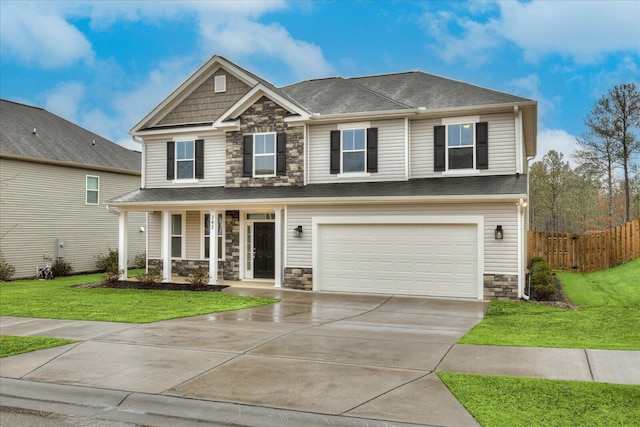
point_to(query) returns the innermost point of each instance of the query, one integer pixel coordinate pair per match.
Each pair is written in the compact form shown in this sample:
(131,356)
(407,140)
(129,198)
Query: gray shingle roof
(58,139)
(500,185)
(399,91)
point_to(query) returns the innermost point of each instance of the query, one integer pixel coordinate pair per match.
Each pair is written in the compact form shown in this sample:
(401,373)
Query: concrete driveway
(365,357)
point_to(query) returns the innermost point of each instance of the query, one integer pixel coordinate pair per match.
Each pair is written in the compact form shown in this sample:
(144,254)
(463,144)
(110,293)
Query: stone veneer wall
(265,116)
(232,245)
(502,287)
(298,278)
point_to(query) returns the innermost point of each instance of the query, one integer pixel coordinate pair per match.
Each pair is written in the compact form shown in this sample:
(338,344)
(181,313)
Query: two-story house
(403,183)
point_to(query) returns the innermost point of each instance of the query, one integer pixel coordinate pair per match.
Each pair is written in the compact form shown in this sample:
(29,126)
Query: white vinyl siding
(391,153)
(500,256)
(30,223)
(214,163)
(502,148)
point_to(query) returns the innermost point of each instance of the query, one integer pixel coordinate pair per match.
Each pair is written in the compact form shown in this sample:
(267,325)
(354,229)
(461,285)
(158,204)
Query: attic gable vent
(220,84)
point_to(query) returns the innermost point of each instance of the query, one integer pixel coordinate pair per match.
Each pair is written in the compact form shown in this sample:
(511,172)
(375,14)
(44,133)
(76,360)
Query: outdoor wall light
(499,232)
(298,231)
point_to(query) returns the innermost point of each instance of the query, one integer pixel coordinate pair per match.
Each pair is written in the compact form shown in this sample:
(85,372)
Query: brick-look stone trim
(502,287)
(265,116)
(298,278)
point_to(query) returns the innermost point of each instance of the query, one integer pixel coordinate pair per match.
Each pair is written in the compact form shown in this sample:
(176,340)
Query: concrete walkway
(312,359)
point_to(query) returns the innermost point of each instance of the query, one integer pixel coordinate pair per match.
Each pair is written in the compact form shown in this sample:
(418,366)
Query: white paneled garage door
(413,259)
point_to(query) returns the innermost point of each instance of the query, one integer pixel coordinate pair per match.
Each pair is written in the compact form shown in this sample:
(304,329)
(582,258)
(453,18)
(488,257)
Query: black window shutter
(439,149)
(171,156)
(199,158)
(247,165)
(372,150)
(335,151)
(281,154)
(482,145)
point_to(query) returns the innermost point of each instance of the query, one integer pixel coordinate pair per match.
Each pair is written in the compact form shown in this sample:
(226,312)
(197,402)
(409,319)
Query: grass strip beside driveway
(11,345)
(57,299)
(608,317)
(528,402)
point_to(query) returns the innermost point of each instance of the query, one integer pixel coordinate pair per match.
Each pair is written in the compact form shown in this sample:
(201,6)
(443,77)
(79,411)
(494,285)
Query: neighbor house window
(460,145)
(176,235)
(219,239)
(185,159)
(264,154)
(93,190)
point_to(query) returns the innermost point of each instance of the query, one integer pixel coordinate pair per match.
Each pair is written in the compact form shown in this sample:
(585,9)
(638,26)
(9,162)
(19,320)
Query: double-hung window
(354,149)
(176,236)
(264,154)
(219,237)
(92,190)
(461,144)
(185,159)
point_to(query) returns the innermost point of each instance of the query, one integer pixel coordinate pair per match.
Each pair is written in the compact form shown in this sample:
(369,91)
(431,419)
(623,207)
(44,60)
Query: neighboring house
(54,179)
(403,183)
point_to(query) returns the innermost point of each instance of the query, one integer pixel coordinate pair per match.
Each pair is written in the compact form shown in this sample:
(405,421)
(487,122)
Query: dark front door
(264,250)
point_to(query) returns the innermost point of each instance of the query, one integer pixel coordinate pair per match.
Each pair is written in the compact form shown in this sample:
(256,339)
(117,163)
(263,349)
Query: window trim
(274,155)
(183,220)
(221,245)
(362,172)
(87,190)
(449,121)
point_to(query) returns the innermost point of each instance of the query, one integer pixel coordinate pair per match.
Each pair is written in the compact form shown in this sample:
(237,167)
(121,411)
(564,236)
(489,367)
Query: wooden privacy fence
(586,252)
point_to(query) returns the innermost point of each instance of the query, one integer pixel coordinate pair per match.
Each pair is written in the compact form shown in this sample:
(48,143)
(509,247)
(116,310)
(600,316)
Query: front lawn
(58,299)
(528,402)
(10,345)
(608,317)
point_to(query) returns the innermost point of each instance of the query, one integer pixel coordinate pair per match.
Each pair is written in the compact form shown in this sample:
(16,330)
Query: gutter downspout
(143,160)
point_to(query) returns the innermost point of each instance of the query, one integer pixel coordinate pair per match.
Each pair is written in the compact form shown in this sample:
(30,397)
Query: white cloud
(582,30)
(558,140)
(35,33)
(65,99)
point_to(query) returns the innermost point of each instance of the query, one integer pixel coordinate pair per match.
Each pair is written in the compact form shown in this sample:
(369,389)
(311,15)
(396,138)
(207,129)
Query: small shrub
(542,280)
(61,268)
(6,269)
(152,277)
(140,260)
(107,262)
(199,278)
(113,274)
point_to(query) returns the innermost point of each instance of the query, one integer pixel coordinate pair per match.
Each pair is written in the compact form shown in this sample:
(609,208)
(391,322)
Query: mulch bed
(559,299)
(131,284)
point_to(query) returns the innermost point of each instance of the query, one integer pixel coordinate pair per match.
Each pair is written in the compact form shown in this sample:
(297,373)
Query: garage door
(412,259)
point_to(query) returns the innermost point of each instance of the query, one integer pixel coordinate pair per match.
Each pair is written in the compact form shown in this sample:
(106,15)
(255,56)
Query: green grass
(511,401)
(57,299)
(608,317)
(11,345)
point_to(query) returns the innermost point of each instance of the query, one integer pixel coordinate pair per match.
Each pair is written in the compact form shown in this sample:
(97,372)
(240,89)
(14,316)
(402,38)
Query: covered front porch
(234,245)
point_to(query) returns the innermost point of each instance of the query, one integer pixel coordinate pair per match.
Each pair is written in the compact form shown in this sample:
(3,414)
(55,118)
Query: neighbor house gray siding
(501,256)
(40,203)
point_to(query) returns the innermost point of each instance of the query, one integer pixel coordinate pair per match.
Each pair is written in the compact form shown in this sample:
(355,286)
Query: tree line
(603,190)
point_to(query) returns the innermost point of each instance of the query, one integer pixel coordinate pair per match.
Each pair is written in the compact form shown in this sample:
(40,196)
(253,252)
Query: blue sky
(106,64)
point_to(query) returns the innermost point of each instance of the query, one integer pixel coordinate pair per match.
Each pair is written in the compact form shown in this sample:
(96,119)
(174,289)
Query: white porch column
(166,246)
(123,222)
(213,247)
(278,248)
